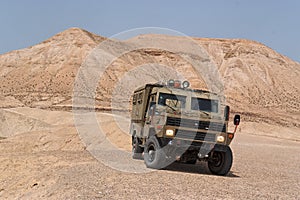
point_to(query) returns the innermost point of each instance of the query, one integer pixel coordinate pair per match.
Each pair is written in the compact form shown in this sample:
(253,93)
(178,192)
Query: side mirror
(236,120)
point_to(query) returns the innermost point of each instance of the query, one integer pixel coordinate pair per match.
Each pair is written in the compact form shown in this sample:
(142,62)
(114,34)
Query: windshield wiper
(207,113)
(171,107)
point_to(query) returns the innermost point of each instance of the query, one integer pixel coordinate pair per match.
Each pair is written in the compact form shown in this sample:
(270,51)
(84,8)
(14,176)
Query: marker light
(185,84)
(171,83)
(177,84)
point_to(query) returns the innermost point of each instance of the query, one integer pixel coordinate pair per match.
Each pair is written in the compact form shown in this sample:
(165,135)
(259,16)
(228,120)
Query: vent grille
(190,123)
(192,135)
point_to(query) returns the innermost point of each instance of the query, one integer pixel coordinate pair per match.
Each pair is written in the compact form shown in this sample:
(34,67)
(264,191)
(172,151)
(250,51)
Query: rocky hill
(259,83)
(43,75)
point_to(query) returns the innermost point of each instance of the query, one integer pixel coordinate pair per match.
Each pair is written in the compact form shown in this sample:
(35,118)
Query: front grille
(192,135)
(190,123)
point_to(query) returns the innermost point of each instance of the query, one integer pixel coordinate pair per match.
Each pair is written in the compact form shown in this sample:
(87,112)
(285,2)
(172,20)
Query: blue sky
(274,23)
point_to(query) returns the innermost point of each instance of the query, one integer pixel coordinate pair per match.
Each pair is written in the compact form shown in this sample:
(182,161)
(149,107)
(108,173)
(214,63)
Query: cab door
(149,116)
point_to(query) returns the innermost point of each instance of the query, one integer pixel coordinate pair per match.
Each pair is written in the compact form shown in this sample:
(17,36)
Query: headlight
(220,138)
(170,132)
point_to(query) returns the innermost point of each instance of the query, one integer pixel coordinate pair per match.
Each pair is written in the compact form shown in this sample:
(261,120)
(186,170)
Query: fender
(222,148)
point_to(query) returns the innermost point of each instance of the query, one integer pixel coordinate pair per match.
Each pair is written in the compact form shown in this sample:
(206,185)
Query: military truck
(172,123)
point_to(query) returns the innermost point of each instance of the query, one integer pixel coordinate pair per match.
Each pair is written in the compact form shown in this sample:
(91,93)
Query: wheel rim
(151,152)
(217,159)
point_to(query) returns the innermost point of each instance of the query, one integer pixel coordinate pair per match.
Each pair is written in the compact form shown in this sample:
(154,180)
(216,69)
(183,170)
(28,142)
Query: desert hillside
(45,154)
(259,83)
(43,75)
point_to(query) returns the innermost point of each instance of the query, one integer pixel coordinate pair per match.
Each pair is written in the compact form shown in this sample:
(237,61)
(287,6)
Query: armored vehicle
(173,123)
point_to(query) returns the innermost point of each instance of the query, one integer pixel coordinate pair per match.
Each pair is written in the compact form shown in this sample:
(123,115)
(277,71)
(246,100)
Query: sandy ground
(45,158)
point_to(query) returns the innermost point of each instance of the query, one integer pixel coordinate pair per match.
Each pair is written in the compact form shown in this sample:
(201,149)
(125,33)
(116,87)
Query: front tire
(137,150)
(154,155)
(220,162)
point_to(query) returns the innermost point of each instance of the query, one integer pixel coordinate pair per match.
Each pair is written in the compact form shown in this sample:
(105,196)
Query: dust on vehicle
(171,122)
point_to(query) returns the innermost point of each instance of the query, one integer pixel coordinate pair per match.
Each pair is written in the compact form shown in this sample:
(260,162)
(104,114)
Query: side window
(134,99)
(140,98)
(153,98)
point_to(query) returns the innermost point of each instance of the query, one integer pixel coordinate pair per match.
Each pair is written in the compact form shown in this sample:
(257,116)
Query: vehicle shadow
(198,168)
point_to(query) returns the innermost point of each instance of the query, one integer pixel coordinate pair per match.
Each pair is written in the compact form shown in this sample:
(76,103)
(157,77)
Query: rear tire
(137,150)
(220,162)
(154,155)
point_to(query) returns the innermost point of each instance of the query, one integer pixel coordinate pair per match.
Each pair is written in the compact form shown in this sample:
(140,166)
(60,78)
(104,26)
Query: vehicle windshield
(171,100)
(207,105)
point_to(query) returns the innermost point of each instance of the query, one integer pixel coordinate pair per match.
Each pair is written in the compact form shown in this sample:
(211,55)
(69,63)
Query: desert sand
(43,156)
